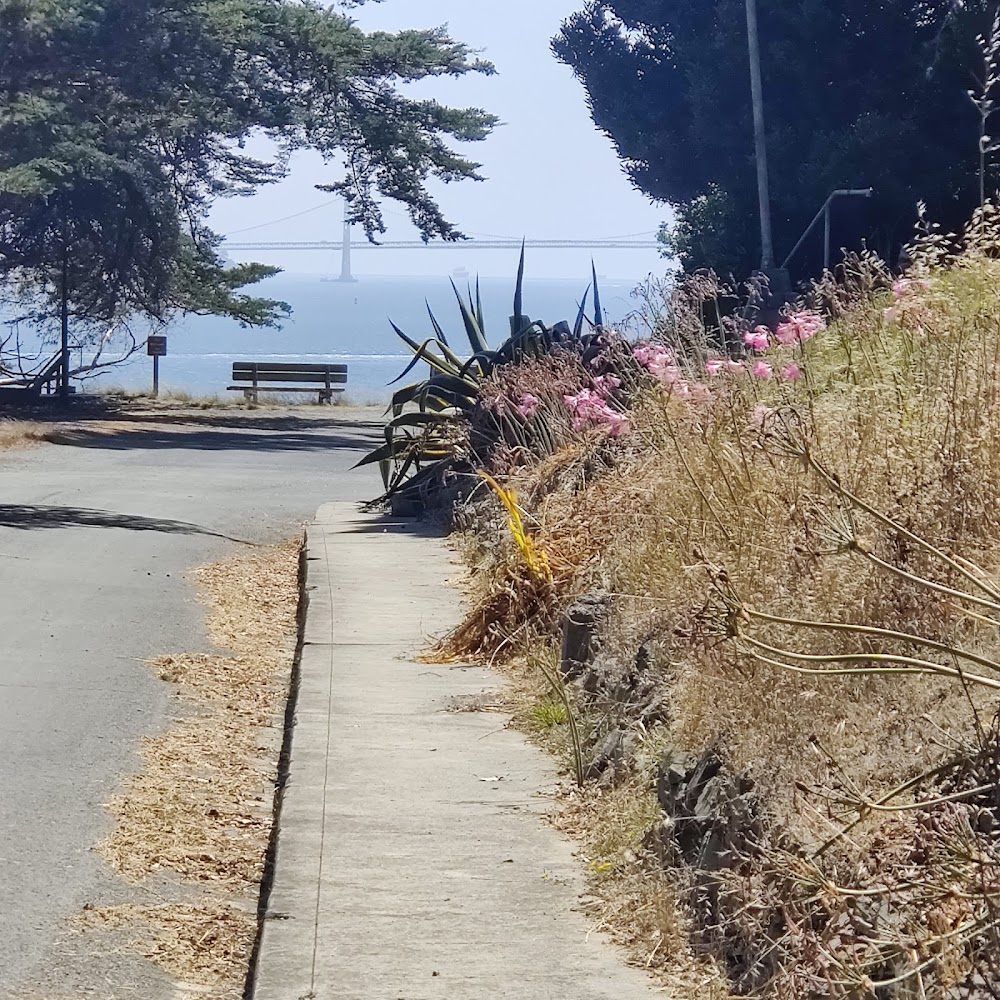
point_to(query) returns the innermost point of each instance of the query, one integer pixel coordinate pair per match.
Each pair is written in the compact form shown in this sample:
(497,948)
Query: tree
(858,94)
(121,121)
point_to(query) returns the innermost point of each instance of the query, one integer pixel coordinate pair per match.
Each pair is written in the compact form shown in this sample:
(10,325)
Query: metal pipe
(825,210)
(826,235)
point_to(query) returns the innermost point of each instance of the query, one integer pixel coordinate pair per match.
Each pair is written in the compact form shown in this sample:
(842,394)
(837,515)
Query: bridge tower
(345,253)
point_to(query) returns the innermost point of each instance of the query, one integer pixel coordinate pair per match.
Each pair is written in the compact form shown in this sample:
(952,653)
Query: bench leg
(248,394)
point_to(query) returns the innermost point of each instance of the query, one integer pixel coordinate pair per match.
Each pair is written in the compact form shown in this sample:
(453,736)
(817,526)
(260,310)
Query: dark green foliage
(451,431)
(858,94)
(121,121)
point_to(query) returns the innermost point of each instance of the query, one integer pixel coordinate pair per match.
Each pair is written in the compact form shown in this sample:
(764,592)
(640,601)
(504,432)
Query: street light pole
(760,140)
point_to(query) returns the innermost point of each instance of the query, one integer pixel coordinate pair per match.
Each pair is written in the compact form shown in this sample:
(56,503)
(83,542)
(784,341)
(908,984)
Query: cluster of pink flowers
(794,331)
(799,327)
(659,362)
(590,409)
(760,369)
(908,306)
(662,365)
(528,405)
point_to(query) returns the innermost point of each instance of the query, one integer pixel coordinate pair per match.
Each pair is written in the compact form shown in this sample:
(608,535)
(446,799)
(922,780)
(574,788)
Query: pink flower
(760,415)
(791,373)
(762,370)
(588,409)
(669,375)
(658,361)
(735,367)
(617,424)
(604,385)
(758,339)
(652,356)
(714,366)
(799,327)
(909,309)
(528,405)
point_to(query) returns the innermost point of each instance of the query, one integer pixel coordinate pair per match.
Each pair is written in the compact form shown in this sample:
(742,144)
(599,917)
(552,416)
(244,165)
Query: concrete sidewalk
(413,862)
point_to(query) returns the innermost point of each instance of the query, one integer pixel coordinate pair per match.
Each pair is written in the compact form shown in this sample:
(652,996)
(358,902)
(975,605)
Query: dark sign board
(156,347)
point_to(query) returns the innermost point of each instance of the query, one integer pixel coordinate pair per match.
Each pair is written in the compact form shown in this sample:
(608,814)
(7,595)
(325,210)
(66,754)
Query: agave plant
(436,435)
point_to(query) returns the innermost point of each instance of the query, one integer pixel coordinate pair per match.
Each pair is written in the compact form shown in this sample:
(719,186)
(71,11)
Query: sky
(550,173)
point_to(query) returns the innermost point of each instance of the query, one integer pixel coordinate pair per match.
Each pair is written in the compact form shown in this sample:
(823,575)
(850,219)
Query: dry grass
(629,899)
(852,497)
(696,493)
(201,805)
(200,808)
(204,946)
(21,434)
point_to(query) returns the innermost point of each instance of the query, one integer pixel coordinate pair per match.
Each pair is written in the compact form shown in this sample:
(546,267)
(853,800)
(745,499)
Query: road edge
(270,882)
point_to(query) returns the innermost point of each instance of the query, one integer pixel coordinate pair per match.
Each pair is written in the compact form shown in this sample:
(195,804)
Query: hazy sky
(550,172)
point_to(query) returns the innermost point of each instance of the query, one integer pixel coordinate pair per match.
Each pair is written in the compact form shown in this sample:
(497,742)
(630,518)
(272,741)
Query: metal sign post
(156,348)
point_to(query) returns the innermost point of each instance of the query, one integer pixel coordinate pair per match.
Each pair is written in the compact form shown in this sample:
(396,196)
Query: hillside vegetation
(787,727)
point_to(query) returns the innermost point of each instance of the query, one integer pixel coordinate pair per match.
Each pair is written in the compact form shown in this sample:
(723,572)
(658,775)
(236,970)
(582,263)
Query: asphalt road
(96,541)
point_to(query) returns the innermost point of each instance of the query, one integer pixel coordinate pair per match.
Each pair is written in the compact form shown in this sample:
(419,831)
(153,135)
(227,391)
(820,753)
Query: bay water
(333,322)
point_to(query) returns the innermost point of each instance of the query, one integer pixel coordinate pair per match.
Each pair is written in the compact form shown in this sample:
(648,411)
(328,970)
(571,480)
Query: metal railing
(825,213)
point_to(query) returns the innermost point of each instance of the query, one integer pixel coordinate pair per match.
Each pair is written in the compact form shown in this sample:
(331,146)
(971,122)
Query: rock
(579,634)
(608,754)
(712,826)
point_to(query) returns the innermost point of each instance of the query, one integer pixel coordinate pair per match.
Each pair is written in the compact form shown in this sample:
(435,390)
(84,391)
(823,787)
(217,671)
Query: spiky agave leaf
(581,316)
(479,308)
(438,331)
(423,353)
(598,313)
(516,320)
(463,393)
(447,362)
(477,339)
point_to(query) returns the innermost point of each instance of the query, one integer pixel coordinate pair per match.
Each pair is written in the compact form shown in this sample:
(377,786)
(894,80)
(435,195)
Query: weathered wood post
(579,631)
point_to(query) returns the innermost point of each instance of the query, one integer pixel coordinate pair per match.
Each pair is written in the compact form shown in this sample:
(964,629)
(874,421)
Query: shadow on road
(249,421)
(352,438)
(29,517)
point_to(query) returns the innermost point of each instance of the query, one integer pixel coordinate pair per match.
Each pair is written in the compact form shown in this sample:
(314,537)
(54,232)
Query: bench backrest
(274,371)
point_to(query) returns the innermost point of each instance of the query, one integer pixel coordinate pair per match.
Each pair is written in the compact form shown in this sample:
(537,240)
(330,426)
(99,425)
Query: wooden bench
(324,380)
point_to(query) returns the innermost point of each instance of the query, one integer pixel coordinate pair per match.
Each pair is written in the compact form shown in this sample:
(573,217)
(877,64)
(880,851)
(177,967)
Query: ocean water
(348,324)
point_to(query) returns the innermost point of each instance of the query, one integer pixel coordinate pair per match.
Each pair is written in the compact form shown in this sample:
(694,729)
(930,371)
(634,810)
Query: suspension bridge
(348,245)
(459,245)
